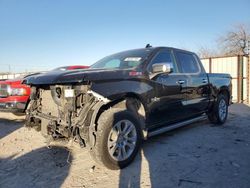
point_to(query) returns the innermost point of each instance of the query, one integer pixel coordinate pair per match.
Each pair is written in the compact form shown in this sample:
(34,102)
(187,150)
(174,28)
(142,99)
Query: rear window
(187,63)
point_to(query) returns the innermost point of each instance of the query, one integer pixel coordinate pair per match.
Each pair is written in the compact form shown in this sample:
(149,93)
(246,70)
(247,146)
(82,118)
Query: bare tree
(235,42)
(205,52)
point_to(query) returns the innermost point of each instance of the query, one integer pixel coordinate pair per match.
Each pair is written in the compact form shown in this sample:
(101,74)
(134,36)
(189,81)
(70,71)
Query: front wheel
(219,113)
(118,138)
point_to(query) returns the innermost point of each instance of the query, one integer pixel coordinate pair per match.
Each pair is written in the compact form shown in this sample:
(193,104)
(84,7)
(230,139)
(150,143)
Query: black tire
(214,115)
(106,121)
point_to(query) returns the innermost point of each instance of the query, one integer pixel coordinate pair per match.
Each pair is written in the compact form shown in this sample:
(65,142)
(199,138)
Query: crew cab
(14,95)
(125,98)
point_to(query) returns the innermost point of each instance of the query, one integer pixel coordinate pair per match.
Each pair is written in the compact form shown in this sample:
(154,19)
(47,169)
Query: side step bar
(176,125)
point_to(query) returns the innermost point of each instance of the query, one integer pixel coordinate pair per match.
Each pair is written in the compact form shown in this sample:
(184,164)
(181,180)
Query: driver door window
(163,56)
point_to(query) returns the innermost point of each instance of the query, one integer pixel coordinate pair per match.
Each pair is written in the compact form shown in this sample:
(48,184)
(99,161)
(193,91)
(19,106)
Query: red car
(14,95)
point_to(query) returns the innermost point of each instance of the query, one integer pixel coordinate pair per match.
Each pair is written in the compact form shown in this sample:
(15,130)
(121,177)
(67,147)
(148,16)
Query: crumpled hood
(77,76)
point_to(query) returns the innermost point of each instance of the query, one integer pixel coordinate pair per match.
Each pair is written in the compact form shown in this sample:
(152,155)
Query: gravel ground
(200,155)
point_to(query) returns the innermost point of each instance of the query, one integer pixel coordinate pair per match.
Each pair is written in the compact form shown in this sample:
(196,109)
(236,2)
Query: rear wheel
(118,138)
(219,113)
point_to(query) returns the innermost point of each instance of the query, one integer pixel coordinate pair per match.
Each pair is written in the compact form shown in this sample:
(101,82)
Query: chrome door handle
(181,81)
(204,80)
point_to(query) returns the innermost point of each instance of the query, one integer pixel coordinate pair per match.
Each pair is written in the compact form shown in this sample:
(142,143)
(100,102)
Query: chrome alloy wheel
(222,109)
(122,140)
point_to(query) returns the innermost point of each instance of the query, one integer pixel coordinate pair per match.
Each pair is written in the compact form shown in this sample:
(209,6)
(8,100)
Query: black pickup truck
(125,98)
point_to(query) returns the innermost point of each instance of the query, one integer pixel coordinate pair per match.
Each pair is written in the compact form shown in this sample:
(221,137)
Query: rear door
(197,87)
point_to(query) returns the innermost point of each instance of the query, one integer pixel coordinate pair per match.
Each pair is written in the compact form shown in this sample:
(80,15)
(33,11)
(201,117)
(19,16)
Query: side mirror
(161,68)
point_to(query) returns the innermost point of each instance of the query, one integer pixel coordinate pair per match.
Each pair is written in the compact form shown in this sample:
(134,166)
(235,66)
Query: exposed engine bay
(65,111)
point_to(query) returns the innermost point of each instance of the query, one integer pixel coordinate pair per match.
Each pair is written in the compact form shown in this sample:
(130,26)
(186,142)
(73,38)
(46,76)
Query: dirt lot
(199,155)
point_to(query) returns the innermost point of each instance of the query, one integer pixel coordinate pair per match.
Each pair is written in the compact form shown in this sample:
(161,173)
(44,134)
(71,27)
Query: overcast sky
(51,33)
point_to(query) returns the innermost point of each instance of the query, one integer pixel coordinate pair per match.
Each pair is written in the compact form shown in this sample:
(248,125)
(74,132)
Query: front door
(166,107)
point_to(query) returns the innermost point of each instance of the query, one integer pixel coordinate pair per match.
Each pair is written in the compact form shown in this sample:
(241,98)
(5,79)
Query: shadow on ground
(42,167)
(8,126)
(199,155)
(159,163)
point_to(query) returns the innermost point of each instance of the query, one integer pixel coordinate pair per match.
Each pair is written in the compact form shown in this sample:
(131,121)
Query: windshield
(123,60)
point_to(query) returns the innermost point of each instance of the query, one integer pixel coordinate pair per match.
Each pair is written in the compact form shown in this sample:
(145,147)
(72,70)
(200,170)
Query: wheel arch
(127,101)
(130,101)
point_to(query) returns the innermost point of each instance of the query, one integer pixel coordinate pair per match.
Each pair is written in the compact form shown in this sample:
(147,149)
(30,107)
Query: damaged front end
(65,111)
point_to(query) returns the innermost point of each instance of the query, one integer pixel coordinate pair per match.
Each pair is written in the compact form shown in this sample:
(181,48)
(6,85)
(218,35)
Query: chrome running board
(176,125)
